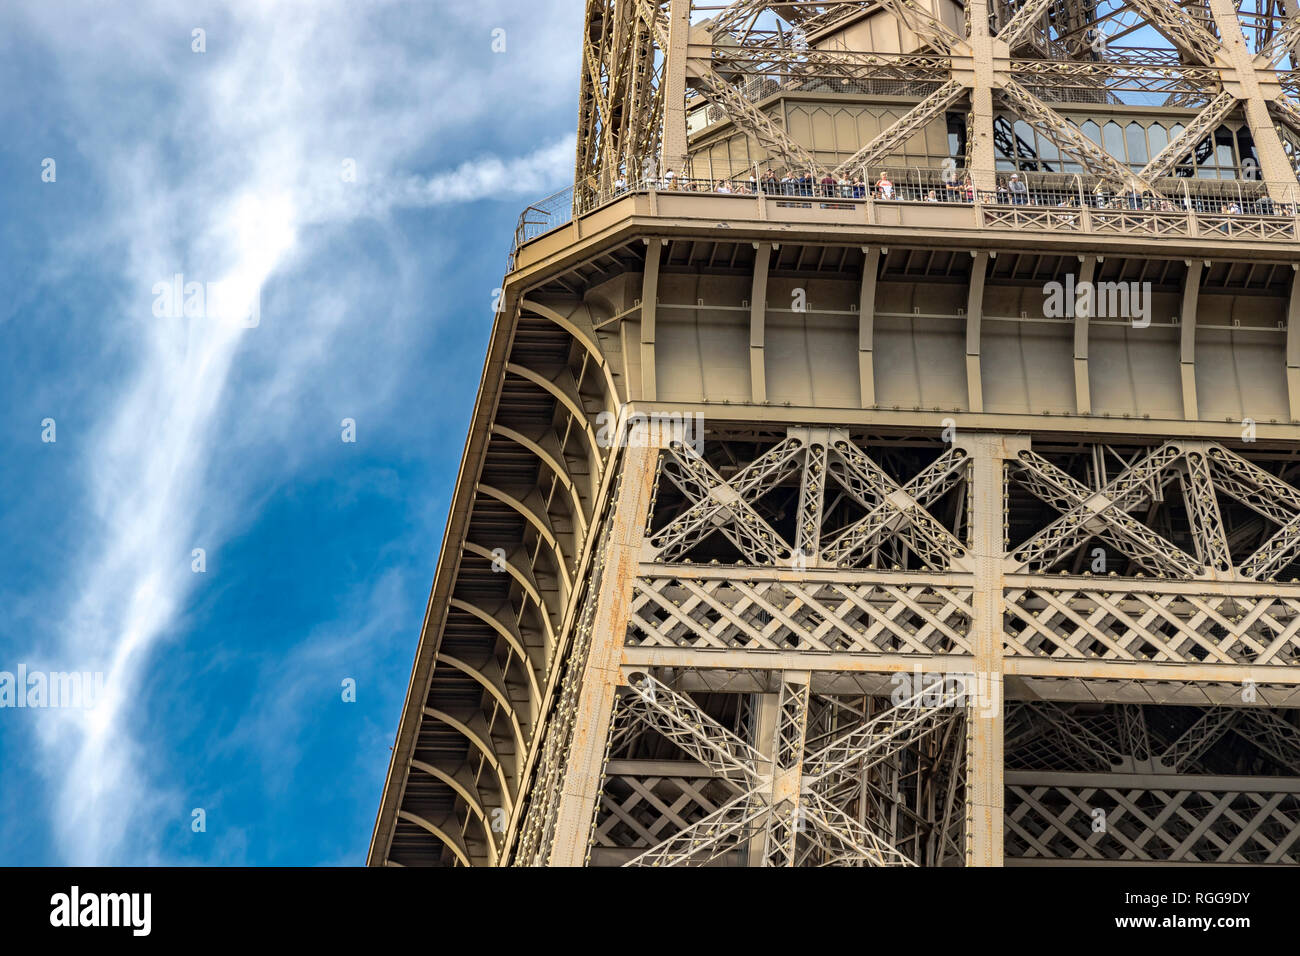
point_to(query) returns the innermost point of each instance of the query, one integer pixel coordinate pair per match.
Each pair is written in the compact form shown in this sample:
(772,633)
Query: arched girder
(463,787)
(525,581)
(456,846)
(581,335)
(579,513)
(511,636)
(495,689)
(541,525)
(568,401)
(484,746)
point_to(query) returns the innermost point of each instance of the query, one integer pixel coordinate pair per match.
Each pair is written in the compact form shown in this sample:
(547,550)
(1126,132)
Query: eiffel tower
(886,453)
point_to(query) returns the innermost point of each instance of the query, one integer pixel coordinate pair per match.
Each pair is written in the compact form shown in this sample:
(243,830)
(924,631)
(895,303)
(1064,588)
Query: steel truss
(812,799)
(672,653)
(1018,56)
(1128,783)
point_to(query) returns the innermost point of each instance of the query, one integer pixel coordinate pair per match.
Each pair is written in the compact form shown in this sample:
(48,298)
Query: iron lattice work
(795,529)
(660,80)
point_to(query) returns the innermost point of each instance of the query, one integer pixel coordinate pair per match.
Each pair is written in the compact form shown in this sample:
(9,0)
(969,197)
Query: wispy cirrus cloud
(224,167)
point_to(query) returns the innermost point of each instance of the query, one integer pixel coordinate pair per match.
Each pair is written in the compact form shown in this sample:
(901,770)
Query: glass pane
(1092,131)
(1114,141)
(1024,139)
(1158,137)
(1223,147)
(1135,138)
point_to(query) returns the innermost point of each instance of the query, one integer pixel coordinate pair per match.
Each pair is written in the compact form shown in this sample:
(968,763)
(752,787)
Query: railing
(1052,202)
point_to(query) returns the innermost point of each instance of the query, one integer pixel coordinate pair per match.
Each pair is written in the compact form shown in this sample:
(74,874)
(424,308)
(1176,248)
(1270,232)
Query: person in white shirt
(724,187)
(884,188)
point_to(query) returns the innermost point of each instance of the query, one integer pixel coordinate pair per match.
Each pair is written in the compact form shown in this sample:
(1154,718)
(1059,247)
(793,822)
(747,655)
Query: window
(1135,138)
(1158,137)
(1113,140)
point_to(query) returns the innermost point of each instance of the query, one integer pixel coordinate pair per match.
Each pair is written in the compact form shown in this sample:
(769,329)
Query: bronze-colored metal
(825,523)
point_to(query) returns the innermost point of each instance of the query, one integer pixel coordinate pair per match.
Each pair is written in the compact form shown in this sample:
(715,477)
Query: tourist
(1019,191)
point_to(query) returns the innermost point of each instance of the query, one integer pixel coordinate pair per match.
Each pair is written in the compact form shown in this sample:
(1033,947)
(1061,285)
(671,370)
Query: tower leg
(984,756)
(585,764)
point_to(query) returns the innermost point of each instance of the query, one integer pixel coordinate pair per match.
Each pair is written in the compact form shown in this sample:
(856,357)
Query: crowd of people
(1011,189)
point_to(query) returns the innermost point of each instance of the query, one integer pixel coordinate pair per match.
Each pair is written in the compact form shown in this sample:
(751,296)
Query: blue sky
(374,297)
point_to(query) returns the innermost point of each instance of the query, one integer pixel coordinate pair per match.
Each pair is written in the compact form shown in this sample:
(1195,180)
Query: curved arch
(580,335)
(470,734)
(501,697)
(492,621)
(541,526)
(563,397)
(524,582)
(471,799)
(437,831)
(516,436)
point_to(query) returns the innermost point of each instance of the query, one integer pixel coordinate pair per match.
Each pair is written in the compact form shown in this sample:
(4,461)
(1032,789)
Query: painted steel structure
(804,522)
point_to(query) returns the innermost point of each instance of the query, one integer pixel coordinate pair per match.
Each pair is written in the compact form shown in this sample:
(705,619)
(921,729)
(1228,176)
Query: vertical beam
(785,820)
(674,81)
(1082,388)
(1293,346)
(758,322)
(812,493)
(984,720)
(867,327)
(974,314)
(982,154)
(584,768)
(766,720)
(649,308)
(1187,338)
(1274,166)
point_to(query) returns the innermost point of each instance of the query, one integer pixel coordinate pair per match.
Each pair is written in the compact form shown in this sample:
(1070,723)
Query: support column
(1293,346)
(1187,338)
(786,820)
(1274,166)
(867,327)
(984,715)
(982,161)
(675,141)
(1082,387)
(758,323)
(584,768)
(766,718)
(649,309)
(974,314)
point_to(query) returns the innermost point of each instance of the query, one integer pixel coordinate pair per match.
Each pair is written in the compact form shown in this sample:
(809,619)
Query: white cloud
(226,182)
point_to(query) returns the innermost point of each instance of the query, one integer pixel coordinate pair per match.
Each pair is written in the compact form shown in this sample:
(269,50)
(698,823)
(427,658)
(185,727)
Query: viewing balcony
(938,199)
